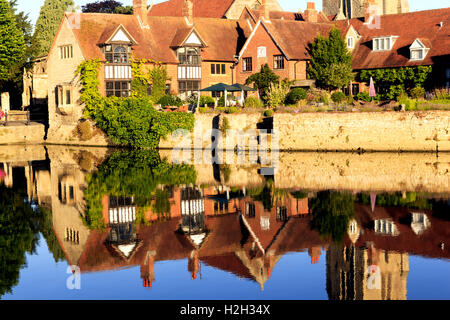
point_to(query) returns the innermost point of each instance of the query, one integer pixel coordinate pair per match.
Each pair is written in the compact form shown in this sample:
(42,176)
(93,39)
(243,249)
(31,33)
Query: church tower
(355,8)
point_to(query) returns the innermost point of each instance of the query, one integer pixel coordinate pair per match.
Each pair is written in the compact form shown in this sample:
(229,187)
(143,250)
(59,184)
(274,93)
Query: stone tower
(355,8)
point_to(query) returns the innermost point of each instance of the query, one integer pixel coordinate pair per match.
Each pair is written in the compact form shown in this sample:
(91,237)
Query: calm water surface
(110,224)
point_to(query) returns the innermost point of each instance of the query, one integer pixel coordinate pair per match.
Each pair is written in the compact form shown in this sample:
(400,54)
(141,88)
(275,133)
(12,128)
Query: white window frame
(350,42)
(421,54)
(383,43)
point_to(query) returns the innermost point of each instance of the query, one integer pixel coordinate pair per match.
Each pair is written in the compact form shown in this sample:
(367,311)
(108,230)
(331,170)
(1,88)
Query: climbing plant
(129,121)
(394,81)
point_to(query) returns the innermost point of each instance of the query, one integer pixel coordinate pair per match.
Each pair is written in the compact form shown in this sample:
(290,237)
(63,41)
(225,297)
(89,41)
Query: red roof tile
(223,37)
(202,8)
(408,27)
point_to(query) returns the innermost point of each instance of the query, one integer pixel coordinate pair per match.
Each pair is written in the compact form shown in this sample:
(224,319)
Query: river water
(96,223)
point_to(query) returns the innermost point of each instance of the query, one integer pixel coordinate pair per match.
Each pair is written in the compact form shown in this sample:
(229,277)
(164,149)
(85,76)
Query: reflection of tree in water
(331,213)
(135,174)
(46,228)
(18,236)
(162,204)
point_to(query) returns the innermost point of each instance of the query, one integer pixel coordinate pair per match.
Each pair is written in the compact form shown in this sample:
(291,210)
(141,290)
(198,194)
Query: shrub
(268,113)
(209,101)
(295,95)
(363,96)
(442,94)
(317,95)
(232,110)
(225,126)
(221,109)
(276,94)
(85,130)
(253,102)
(417,93)
(170,100)
(203,109)
(338,97)
(410,104)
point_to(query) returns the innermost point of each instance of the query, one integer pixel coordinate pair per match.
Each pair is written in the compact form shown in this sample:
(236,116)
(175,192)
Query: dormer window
(384,43)
(418,50)
(350,42)
(117,53)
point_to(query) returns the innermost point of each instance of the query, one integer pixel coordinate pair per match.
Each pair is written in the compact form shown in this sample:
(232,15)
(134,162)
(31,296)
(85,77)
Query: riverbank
(421,131)
(414,131)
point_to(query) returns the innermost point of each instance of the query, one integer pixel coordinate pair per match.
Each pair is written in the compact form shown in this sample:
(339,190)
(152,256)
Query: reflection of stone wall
(366,172)
(377,131)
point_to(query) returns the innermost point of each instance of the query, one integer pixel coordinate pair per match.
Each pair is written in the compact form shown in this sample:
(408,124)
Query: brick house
(199,52)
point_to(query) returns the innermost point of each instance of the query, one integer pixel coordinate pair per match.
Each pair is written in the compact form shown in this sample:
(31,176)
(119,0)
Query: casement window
(117,54)
(386,227)
(247,64)
(118,88)
(63,95)
(281,214)
(278,62)
(66,52)
(417,54)
(187,86)
(350,42)
(383,43)
(218,68)
(189,56)
(72,235)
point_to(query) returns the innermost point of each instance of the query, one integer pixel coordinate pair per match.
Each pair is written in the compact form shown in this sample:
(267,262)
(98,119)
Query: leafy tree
(332,212)
(331,62)
(263,80)
(18,236)
(47,25)
(107,6)
(12,46)
(13,83)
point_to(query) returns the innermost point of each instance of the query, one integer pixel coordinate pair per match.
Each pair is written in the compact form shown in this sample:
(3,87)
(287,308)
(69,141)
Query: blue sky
(32,7)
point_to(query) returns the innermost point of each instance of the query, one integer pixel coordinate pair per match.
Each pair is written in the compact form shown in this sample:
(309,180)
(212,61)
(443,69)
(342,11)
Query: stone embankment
(424,131)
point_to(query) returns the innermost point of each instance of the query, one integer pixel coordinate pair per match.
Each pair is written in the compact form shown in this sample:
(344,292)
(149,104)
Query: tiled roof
(294,37)
(408,27)
(202,8)
(224,37)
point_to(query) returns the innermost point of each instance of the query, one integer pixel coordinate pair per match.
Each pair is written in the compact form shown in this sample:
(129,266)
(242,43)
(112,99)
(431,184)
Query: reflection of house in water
(200,234)
(373,263)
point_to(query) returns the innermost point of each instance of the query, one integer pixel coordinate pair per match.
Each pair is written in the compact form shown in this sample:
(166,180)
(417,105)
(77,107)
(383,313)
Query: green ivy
(128,121)
(398,80)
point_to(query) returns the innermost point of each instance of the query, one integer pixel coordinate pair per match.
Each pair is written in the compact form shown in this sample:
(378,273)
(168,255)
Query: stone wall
(22,134)
(377,131)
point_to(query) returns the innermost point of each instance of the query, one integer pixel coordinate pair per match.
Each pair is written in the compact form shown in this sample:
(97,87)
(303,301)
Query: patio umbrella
(243,88)
(221,87)
(372,92)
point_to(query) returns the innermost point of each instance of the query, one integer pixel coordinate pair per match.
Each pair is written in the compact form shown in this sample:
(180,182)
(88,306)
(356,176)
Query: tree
(263,80)
(332,212)
(12,42)
(19,235)
(47,25)
(107,6)
(331,61)
(13,83)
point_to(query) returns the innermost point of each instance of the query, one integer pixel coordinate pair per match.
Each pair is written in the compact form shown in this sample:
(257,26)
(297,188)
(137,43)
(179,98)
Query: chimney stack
(140,11)
(188,12)
(264,11)
(310,14)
